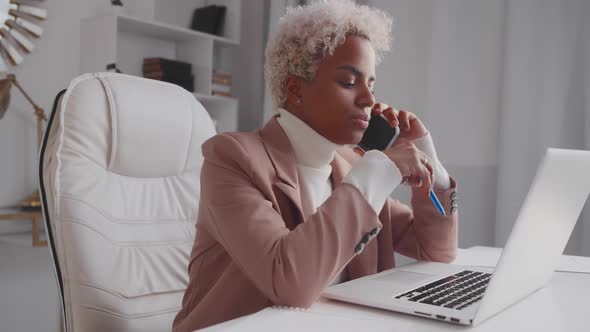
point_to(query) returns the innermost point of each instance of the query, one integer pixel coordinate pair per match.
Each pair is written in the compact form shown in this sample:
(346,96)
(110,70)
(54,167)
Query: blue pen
(436,202)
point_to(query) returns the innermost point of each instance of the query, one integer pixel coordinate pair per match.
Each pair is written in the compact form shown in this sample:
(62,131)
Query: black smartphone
(379,135)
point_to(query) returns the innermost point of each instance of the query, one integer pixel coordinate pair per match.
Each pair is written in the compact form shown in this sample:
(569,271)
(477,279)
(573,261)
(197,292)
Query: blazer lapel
(288,193)
(282,157)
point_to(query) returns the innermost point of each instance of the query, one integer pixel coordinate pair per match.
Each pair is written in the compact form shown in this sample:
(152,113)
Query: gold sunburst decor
(19,27)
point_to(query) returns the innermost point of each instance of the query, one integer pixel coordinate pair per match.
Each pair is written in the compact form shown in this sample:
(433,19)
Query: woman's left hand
(410,126)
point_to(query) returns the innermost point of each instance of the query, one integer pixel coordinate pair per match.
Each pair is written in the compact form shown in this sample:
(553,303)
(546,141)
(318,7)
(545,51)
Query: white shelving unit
(125,41)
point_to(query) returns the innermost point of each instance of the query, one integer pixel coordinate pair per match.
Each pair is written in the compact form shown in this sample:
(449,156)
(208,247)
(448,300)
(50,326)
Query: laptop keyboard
(457,291)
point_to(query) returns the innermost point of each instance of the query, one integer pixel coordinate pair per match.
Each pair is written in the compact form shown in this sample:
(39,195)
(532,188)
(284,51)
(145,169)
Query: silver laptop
(468,296)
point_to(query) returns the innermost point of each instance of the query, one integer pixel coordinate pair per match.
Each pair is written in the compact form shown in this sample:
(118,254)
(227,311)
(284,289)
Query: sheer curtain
(545,100)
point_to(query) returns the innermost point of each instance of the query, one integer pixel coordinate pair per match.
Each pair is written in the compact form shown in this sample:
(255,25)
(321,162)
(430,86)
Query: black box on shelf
(209,19)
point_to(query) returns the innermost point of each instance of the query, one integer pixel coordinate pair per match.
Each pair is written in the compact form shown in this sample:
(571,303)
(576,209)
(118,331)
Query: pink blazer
(254,249)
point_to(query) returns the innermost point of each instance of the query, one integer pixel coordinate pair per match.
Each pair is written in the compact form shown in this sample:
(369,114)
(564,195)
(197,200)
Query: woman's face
(337,102)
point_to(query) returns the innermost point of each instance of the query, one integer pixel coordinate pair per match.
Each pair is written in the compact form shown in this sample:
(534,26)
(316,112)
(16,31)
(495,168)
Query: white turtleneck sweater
(374,175)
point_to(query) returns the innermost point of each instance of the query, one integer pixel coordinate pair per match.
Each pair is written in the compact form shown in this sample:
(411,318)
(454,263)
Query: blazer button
(454,204)
(453,210)
(454,195)
(361,245)
(374,231)
(359,248)
(366,238)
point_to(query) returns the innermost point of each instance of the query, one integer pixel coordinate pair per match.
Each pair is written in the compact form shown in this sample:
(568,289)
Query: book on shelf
(166,65)
(208,19)
(221,88)
(168,62)
(221,94)
(187,82)
(168,71)
(172,71)
(221,81)
(221,76)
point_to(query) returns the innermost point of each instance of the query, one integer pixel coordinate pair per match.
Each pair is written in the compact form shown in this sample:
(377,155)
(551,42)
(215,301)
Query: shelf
(202,96)
(166,31)
(126,41)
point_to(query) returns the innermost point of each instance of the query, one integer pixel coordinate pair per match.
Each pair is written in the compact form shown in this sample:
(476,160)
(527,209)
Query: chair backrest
(120,179)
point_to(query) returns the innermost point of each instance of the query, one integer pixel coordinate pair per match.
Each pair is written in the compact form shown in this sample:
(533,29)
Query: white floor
(29,298)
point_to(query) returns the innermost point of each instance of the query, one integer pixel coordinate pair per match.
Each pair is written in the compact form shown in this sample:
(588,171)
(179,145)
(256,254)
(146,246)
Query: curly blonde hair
(307,34)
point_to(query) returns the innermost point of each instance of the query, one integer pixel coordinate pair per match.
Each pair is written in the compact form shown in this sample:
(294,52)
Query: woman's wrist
(375,176)
(425,144)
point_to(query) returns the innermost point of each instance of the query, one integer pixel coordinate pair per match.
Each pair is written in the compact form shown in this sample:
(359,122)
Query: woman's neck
(311,148)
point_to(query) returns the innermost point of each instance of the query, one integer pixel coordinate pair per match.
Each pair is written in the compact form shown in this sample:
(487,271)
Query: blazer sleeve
(421,232)
(291,267)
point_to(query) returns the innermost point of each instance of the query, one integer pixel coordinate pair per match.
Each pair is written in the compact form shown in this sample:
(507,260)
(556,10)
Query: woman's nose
(366,97)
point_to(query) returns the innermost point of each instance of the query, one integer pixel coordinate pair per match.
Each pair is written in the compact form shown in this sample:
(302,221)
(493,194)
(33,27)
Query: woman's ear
(294,89)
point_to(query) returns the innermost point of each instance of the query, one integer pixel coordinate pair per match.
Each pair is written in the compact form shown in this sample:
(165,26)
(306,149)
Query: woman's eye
(350,85)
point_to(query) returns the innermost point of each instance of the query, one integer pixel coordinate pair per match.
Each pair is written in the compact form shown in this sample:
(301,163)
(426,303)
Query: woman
(283,214)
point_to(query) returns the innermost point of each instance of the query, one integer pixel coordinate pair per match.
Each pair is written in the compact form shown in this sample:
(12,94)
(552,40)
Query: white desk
(561,306)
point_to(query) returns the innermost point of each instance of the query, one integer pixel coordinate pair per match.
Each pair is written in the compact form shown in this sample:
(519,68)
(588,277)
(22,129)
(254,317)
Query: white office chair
(120,179)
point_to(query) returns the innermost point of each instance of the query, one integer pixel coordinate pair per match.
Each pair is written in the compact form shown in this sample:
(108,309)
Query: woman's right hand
(414,166)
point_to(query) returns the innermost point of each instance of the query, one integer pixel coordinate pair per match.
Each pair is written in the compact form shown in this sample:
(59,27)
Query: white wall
(445,67)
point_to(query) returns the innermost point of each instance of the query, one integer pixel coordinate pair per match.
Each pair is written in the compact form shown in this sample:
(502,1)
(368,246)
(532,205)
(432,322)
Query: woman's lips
(363,124)
(361,120)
